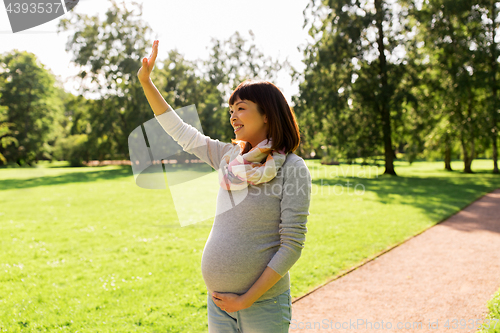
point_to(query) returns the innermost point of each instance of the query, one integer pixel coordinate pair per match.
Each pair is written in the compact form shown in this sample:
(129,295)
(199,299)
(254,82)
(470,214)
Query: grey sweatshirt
(267,228)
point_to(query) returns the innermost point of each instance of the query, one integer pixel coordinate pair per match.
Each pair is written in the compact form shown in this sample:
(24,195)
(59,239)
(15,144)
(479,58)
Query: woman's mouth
(238,128)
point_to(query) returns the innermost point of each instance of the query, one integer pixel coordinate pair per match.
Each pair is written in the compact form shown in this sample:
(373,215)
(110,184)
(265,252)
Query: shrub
(72,149)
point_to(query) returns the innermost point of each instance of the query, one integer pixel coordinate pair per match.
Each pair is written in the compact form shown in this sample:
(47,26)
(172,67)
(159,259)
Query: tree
(354,80)
(34,110)
(486,61)
(451,29)
(109,55)
(438,134)
(231,62)
(71,143)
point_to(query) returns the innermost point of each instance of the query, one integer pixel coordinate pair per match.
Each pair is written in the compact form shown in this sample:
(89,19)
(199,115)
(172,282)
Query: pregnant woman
(252,245)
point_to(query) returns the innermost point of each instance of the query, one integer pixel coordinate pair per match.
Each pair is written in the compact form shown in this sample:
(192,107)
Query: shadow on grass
(438,197)
(83,176)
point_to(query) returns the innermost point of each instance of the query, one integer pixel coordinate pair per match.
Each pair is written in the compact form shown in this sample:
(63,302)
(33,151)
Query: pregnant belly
(233,264)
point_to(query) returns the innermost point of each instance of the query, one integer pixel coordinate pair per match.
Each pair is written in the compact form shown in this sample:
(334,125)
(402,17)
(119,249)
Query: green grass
(85,249)
(492,322)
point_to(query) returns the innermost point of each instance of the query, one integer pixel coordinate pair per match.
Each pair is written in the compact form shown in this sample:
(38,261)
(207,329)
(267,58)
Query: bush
(72,149)
(492,320)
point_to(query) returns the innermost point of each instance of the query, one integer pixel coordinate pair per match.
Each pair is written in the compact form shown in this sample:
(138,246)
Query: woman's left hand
(230,302)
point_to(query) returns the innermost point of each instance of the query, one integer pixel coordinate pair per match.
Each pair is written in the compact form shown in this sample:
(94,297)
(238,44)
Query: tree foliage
(356,78)
(5,132)
(109,55)
(452,32)
(231,62)
(34,111)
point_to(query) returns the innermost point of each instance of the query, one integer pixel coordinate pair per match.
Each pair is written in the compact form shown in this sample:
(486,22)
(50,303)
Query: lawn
(86,250)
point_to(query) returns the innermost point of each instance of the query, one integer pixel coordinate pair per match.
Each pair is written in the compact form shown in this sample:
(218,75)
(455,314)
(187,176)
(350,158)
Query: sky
(187,25)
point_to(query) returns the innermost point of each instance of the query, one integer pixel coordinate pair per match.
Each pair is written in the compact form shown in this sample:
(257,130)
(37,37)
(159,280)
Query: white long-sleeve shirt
(267,228)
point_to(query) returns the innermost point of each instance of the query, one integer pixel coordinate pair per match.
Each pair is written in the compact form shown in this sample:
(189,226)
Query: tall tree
(30,93)
(354,79)
(451,28)
(439,135)
(486,61)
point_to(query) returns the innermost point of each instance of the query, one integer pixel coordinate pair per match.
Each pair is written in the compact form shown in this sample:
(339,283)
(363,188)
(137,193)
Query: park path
(448,272)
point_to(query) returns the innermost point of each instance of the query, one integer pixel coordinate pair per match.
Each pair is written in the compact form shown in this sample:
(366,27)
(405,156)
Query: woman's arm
(294,211)
(155,99)
(295,202)
(267,279)
(191,140)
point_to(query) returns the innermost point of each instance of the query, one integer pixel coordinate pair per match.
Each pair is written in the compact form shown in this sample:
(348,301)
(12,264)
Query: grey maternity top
(267,228)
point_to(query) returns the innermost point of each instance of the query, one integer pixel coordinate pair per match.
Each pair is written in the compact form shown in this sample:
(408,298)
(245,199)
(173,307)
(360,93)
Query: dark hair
(283,127)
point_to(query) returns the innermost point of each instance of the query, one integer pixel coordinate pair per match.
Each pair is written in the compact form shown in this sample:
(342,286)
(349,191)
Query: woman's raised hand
(148,64)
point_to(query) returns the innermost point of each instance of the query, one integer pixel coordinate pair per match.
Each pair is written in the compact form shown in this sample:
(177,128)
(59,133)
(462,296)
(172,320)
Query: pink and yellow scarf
(243,166)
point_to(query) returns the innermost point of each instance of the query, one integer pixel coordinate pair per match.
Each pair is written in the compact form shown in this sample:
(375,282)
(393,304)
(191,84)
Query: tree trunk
(467,159)
(384,107)
(447,155)
(495,153)
(468,135)
(494,69)
(472,154)
(24,154)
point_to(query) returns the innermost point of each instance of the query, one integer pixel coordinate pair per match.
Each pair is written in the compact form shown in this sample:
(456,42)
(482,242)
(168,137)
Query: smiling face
(248,123)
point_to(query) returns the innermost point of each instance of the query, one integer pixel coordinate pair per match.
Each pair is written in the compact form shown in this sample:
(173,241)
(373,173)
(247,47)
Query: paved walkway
(447,273)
